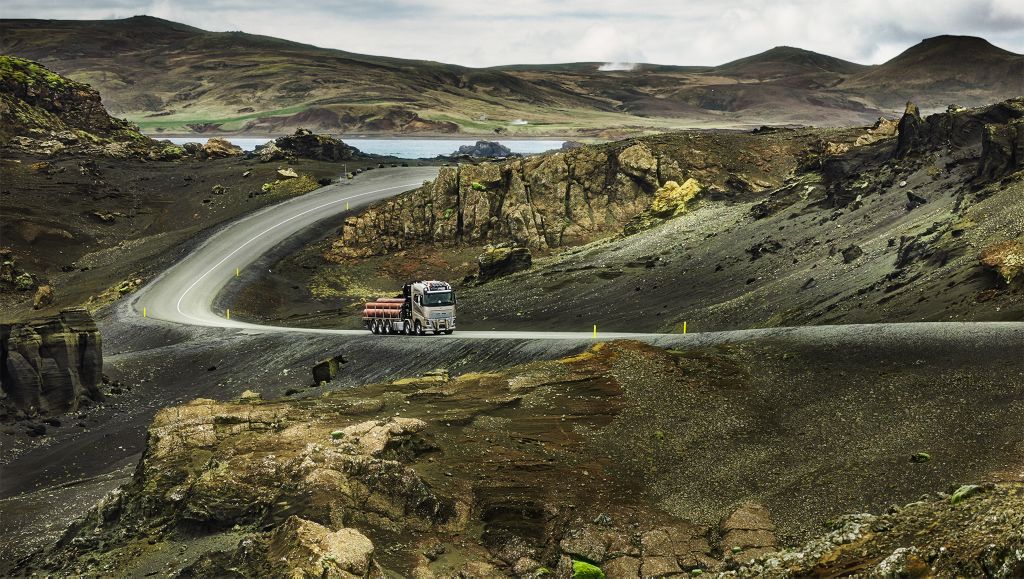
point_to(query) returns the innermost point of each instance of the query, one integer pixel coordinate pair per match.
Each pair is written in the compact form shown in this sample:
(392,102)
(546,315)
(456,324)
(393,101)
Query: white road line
(269,229)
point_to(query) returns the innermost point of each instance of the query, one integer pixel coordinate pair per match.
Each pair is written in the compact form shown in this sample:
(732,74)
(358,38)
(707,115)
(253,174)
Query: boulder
(326,370)
(24,281)
(850,254)
(301,548)
(287,173)
(51,364)
(43,297)
(1005,258)
(638,162)
(218,148)
(496,262)
(485,149)
(671,198)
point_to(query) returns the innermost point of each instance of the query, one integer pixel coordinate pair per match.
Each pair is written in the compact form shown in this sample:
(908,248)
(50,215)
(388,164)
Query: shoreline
(382,137)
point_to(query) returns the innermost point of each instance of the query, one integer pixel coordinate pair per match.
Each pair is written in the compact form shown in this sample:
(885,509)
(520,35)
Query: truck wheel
(373,327)
(448,332)
(408,327)
(418,328)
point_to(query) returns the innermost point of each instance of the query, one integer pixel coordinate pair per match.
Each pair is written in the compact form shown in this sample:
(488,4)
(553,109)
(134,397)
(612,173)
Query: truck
(424,306)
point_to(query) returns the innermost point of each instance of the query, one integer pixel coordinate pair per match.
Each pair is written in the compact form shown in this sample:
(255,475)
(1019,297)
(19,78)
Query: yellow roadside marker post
(237,272)
(346,206)
(595,330)
(228,312)
(684,327)
(144,313)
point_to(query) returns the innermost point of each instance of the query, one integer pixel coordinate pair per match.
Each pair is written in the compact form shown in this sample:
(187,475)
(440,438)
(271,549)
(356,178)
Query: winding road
(186,292)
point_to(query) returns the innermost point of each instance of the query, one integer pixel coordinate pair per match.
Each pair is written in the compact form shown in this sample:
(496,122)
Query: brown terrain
(199,452)
(91,207)
(642,461)
(169,77)
(719,230)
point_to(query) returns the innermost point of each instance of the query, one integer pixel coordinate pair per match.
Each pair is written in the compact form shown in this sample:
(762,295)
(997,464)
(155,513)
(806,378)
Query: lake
(402,148)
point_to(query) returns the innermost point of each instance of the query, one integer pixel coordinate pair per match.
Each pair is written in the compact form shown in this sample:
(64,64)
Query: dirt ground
(83,226)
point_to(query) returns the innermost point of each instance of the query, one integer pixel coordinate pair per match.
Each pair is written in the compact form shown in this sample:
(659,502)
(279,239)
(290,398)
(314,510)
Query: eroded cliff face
(568,197)
(49,365)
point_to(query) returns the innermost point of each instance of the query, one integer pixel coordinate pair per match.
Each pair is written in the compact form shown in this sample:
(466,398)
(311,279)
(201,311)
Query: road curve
(185,292)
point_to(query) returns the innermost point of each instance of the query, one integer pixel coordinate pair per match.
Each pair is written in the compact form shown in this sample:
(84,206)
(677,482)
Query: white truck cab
(433,306)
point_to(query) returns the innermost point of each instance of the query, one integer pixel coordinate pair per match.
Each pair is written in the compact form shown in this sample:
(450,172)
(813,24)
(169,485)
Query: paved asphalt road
(185,292)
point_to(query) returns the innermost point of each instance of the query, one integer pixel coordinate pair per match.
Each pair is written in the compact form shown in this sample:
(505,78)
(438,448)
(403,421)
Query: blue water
(402,148)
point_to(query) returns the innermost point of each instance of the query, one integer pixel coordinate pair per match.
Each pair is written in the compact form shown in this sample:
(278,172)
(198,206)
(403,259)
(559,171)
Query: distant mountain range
(173,78)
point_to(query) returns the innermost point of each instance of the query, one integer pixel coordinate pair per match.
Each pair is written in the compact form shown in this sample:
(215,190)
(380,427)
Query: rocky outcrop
(484,149)
(1006,258)
(907,130)
(50,365)
(671,199)
(501,261)
(306,145)
(1002,150)
(298,548)
(560,464)
(560,199)
(938,536)
(219,148)
(42,112)
(567,197)
(994,133)
(747,532)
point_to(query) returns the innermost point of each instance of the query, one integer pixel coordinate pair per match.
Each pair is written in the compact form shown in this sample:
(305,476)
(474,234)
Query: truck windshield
(439,299)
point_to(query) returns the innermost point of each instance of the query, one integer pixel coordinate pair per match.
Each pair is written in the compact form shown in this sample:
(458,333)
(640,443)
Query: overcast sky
(488,32)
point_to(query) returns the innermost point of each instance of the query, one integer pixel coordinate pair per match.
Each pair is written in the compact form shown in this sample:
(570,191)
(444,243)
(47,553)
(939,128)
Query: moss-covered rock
(45,113)
(671,198)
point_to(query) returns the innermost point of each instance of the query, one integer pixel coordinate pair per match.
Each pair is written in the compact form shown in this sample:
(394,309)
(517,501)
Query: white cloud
(539,31)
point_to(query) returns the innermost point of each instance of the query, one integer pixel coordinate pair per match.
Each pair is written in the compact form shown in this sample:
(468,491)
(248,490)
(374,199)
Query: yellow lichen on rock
(671,198)
(1006,258)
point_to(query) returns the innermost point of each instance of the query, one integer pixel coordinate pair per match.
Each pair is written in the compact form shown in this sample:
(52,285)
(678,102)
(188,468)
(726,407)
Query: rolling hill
(172,78)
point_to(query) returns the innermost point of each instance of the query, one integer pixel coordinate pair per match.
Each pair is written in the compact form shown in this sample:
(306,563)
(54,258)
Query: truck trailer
(425,306)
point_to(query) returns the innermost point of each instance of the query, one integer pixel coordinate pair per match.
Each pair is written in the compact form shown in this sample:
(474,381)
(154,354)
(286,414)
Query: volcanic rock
(1002,150)
(485,149)
(747,532)
(671,198)
(907,130)
(217,148)
(301,548)
(43,297)
(51,364)
(46,114)
(1005,258)
(307,145)
(501,261)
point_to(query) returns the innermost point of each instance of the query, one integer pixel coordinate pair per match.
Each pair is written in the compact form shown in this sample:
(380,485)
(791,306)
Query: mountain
(173,78)
(965,70)
(786,61)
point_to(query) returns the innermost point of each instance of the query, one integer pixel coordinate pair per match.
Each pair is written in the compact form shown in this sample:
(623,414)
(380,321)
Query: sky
(490,33)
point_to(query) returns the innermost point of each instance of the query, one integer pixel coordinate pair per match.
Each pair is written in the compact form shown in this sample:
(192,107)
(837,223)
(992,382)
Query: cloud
(685,32)
(612,66)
